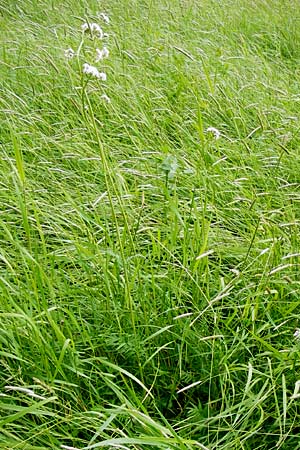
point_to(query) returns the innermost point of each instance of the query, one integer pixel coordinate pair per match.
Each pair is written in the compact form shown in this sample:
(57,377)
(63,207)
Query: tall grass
(149,272)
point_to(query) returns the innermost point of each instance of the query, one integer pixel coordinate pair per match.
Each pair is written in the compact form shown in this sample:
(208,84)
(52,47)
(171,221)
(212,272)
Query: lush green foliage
(149,273)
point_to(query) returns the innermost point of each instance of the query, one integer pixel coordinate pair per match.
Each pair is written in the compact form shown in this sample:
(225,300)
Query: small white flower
(92,70)
(105,98)
(101,54)
(97,30)
(102,76)
(94,29)
(296,390)
(297,334)
(214,131)
(69,53)
(104,17)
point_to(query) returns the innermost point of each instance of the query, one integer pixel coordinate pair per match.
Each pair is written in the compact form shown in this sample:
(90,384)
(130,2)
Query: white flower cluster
(104,17)
(92,70)
(101,54)
(297,334)
(95,31)
(105,98)
(214,131)
(69,53)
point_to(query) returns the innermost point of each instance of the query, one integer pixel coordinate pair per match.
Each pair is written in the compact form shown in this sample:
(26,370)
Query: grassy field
(149,224)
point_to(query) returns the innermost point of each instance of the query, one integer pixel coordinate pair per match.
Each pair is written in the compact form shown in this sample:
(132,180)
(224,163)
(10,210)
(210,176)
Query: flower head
(297,334)
(69,53)
(216,133)
(104,17)
(105,98)
(101,54)
(92,70)
(94,29)
(102,76)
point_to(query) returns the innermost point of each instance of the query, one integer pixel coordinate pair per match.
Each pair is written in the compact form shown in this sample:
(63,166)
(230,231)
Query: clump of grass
(149,262)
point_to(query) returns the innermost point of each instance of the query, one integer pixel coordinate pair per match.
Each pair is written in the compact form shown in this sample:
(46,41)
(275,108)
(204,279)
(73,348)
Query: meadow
(149,224)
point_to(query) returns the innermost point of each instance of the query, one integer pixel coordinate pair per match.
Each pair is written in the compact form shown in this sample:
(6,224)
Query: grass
(149,273)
